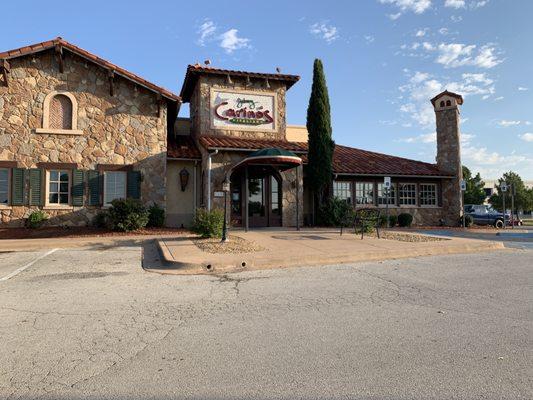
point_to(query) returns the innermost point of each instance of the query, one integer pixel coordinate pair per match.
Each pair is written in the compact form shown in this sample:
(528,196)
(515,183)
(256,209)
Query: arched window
(448,103)
(442,103)
(60,114)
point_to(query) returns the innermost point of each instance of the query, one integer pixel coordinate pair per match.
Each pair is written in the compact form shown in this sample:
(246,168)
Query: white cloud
(456,18)
(444,31)
(206,31)
(507,123)
(329,33)
(432,138)
(416,6)
(499,98)
(422,32)
(522,89)
(528,137)
(455,3)
(230,41)
(421,87)
(453,55)
(369,38)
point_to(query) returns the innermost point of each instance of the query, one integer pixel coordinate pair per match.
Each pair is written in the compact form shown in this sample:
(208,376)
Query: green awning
(272,152)
(280,158)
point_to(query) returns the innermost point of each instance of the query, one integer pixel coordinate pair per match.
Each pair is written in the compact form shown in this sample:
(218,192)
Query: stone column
(447,113)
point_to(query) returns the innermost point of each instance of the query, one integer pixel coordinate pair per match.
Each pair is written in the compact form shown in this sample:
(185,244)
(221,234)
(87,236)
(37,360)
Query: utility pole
(503,188)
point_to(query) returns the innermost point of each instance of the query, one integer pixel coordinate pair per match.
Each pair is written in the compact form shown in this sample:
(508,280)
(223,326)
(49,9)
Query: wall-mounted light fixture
(184,179)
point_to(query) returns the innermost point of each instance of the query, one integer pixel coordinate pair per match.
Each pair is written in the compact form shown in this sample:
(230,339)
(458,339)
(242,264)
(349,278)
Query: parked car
(486,215)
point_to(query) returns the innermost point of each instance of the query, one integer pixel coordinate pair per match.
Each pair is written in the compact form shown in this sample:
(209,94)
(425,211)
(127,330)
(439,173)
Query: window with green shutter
(134,184)
(78,187)
(17,186)
(94,183)
(36,187)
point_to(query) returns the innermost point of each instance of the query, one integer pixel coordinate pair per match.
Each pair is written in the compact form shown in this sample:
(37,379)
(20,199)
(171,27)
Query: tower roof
(447,93)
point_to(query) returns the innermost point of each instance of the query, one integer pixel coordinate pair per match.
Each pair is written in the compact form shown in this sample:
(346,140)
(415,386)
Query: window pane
(63,187)
(407,193)
(63,198)
(64,176)
(53,198)
(428,194)
(364,193)
(383,195)
(54,175)
(115,186)
(54,187)
(343,190)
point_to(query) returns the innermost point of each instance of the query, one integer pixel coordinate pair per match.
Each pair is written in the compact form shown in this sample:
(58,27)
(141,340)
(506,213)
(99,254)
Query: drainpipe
(194,187)
(209,178)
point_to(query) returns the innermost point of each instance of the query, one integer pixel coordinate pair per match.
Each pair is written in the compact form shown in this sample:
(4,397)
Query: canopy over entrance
(279,158)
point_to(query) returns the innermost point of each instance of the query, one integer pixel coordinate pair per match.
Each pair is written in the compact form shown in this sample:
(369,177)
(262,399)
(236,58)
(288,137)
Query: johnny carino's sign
(242,110)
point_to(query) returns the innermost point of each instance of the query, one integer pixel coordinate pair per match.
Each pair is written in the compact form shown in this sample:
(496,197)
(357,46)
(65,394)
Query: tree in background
(523,199)
(474,193)
(321,145)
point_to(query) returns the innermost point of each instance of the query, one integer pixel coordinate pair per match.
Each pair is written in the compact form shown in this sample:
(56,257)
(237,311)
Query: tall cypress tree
(321,145)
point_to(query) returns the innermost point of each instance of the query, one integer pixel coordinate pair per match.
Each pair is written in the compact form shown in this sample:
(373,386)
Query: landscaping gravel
(234,245)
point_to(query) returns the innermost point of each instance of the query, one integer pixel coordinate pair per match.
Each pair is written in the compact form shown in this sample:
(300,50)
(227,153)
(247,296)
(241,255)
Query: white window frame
(7,205)
(105,173)
(47,203)
(414,197)
(420,191)
(392,196)
(344,188)
(373,198)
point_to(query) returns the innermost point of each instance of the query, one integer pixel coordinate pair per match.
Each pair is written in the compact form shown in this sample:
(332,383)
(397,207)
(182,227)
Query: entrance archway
(257,188)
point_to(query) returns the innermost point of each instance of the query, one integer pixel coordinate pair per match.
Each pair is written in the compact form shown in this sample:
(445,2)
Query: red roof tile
(346,160)
(34,48)
(183,146)
(194,71)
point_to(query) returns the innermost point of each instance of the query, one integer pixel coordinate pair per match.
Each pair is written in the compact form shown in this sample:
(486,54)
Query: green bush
(36,219)
(393,220)
(127,215)
(335,212)
(209,224)
(469,221)
(405,220)
(156,216)
(101,220)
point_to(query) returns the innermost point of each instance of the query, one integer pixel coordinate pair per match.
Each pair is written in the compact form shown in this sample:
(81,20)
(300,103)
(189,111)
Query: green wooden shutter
(36,187)
(78,187)
(94,179)
(17,186)
(134,184)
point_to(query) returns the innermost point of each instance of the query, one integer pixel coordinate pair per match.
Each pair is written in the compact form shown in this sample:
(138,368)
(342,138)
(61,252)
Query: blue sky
(384,60)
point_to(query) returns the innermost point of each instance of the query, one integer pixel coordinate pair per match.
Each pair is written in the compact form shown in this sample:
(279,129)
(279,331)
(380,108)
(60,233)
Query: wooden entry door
(264,201)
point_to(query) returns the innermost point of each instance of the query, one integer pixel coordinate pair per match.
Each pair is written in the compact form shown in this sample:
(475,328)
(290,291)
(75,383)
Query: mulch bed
(77,232)
(234,245)
(406,237)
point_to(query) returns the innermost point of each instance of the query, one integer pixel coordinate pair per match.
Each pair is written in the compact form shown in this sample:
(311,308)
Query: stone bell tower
(446,105)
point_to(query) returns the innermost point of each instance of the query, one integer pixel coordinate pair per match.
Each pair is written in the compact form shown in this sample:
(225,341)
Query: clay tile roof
(194,71)
(228,142)
(350,160)
(183,146)
(35,48)
(346,160)
(447,93)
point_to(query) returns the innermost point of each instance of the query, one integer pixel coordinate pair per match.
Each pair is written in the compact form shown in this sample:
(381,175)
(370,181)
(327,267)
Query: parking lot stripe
(19,270)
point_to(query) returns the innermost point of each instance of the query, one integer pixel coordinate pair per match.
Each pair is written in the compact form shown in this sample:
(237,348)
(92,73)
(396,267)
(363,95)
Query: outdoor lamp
(225,188)
(184,179)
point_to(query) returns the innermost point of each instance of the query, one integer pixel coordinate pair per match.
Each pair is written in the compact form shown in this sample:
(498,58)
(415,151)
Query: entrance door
(264,201)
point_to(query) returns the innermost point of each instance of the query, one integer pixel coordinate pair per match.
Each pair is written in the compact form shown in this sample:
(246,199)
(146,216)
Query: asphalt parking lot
(92,324)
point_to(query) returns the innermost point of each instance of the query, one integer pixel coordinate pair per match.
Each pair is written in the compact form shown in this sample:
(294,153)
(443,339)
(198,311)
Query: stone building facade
(64,111)
(77,132)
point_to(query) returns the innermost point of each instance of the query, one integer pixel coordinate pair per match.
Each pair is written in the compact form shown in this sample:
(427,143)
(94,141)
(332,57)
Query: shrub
(36,219)
(209,224)
(335,212)
(127,215)
(101,220)
(393,219)
(156,216)
(469,221)
(405,220)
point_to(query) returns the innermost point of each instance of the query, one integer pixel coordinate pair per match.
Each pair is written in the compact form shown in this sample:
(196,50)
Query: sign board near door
(243,110)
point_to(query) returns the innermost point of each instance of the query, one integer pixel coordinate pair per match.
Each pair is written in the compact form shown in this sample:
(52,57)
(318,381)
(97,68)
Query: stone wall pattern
(123,129)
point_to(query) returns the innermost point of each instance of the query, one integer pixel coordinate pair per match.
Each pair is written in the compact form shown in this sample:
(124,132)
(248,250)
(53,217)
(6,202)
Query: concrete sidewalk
(286,248)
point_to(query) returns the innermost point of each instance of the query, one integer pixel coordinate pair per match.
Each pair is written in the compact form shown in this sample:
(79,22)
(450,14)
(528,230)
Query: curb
(211,266)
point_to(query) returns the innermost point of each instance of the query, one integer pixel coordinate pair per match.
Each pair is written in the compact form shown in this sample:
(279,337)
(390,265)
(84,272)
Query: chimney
(446,105)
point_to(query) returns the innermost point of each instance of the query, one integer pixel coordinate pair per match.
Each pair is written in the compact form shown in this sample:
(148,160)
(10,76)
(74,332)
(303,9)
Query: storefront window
(364,193)
(274,189)
(343,191)
(407,192)
(428,194)
(256,197)
(383,197)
